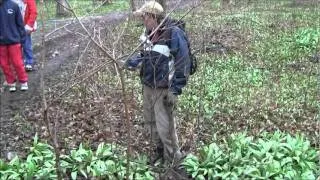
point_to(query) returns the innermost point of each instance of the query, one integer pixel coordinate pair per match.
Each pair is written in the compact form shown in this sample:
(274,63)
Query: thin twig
(122,86)
(57,29)
(81,56)
(154,31)
(52,135)
(117,41)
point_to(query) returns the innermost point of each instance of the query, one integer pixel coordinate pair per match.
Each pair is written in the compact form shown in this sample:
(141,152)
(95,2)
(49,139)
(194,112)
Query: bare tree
(132,5)
(62,8)
(104,2)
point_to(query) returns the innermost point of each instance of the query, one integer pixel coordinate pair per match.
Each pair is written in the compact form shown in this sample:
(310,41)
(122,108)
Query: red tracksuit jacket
(30,14)
(28,10)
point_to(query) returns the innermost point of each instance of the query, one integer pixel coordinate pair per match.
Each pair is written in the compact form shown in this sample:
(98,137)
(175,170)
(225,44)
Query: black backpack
(193,60)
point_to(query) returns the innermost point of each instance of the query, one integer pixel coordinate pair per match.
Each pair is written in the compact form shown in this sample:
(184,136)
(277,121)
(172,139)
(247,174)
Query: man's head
(151,12)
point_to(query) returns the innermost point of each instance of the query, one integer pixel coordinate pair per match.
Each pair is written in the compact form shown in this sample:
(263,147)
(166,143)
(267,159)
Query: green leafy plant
(307,38)
(107,162)
(38,164)
(272,156)
(86,8)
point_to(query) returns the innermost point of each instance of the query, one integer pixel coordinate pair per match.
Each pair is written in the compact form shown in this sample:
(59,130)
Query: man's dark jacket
(155,67)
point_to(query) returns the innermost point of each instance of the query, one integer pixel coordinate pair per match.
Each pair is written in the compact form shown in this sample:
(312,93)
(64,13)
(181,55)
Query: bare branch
(53,134)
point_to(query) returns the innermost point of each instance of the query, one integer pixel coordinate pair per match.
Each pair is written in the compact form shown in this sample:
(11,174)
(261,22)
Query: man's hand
(133,62)
(171,98)
(121,64)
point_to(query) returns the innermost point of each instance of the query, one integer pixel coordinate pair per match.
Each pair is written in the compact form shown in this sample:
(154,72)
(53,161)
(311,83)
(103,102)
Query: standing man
(28,10)
(164,69)
(12,34)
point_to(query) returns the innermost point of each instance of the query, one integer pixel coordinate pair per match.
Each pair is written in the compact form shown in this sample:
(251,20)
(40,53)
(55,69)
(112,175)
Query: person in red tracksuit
(12,34)
(28,10)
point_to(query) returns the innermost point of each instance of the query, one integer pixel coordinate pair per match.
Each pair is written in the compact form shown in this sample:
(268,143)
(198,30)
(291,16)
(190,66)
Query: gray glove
(171,99)
(121,64)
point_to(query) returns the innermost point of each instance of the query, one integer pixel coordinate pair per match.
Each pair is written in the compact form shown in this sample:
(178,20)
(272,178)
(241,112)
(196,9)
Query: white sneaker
(12,87)
(24,86)
(28,67)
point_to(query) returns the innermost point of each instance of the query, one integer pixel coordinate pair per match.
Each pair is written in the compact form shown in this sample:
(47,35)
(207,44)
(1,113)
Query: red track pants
(11,61)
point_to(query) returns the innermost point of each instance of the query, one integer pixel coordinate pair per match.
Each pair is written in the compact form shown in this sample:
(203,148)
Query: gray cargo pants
(159,120)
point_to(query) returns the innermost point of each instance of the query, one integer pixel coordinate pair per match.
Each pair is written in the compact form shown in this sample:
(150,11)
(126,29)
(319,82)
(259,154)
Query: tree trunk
(132,5)
(295,2)
(105,2)
(62,8)
(225,3)
(163,4)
